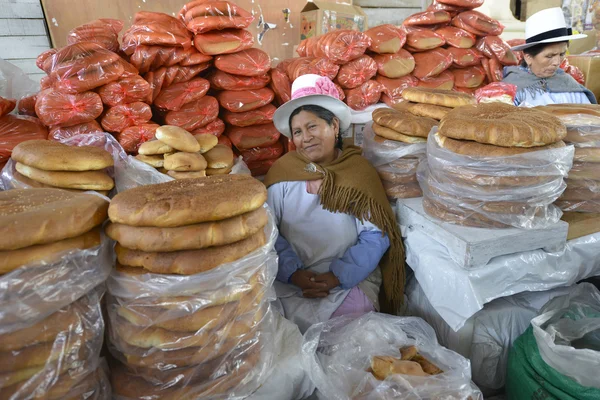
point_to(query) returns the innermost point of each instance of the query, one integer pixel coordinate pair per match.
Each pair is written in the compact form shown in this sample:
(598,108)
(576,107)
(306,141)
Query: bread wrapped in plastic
(307,47)
(16,129)
(120,117)
(263,153)
(260,168)
(194,115)
(468,4)
(281,86)
(103,31)
(245,138)
(26,105)
(6,106)
(457,37)
(356,72)
(262,115)
(223,81)
(386,38)
(392,88)
(478,24)
(131,138)
(245,101)
(250,62)
(58,133)
(429,17)
(395,65)
(341,46)
(471,77)
(493,46)
(216,127)
(432,63)
(153,28)
(41,63)
(311,65)
(365,95)
(225,141)
(497,92)
(418,40)
(124,91)
(226,41)
(206,16)
(443,81)
(55,108)
(177,95)
(465,57)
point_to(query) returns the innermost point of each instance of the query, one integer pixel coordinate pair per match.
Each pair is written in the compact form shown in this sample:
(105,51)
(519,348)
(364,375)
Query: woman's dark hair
(537,49)
(322,113)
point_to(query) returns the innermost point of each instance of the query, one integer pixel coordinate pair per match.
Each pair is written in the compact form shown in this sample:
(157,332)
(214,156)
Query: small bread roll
(217,171)
(219,157)
(186,175)
(178,138)
(155,161)
(206,141)
(185,162)
(154,147)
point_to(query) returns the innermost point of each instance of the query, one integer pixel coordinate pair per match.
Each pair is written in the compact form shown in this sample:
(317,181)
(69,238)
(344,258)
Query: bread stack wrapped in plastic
(496,166)
(54,261)
(188,302)
(583,132)
(449,46)
(379,356)
(395,143)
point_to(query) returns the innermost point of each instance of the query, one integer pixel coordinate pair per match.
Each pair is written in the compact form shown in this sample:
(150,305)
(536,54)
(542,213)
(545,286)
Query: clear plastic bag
(213,331)
(338,353)
(205,16)
(14,83)
(494,192)
(250,62)
(396,163)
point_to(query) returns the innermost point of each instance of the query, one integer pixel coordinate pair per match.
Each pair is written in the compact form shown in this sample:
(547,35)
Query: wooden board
(64,15)
(581,224)
(475,247)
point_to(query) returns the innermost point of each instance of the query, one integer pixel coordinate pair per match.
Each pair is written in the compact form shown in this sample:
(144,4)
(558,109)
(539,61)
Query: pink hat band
(323,86)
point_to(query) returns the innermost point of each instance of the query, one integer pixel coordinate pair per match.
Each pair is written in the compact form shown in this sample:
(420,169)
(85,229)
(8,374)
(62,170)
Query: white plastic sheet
(338,353)
(457,294)
(14,83)
(568,334)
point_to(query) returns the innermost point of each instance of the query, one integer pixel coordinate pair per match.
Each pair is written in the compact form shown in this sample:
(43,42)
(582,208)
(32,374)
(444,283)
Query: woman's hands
(314,285)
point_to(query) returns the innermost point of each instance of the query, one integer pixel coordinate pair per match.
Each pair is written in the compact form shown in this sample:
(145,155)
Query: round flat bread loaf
(423,110)
(404,122)
(30,217)
(49,155)
(584,206)
(155,147)
(438,97)
(187,175)
(156,161)
(587,154)
(475,149)
(396,178)
(206,142)
(391,134)
(189,237)
(219,157)
(581,193)
(185,162)
(189,262)
(584,171)
(187,202)
(583,136)
(582,110)
(402,191)
(85,180)
(462,217)
(503,125)
(177,138)
(13,259)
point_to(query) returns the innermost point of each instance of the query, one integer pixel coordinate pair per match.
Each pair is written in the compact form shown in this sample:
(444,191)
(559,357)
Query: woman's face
(545,64)
(313,137)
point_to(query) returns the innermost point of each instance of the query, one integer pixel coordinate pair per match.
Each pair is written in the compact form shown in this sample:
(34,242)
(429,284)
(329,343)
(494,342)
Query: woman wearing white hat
(539,79)
(336,226)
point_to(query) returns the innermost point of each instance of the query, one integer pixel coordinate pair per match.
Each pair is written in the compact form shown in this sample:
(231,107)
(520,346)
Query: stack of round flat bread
(432,103)
(210,333)
(485,163)
(583,132)
(46,163)
(181,155)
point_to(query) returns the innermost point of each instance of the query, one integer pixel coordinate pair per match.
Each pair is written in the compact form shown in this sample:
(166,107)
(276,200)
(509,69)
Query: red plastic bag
(452,10)
(281,86)
(58,133)
(26,105)
(194,57)
(46,83)
(478,24)
(260,168)
(224,140)
(443,81)
(249,137)
(263,115)
(251,62)
(131,138)
(432,63)
(15,129)
(217,127)
(356,72)
(497,92)
(464,57)
(55,108)
(153,28)
(6,106)
(120,117)
(341,46)
(194,115)
(260,154)
(220,80)
(572,70)
(462,3)
(493,46)
(471,77)
(395,65)
(41,63)
(83,66)
(386,39)
(306,48)
(514,43)
(128,69)
(429,17)
(104,32)
(311,65)
(341,94)
(470,91)
(224,42)
(365,95)
(422,40)
(457,37)
(156,80)
(497,70)
(393,88)
(177,95)
(245,101)
(204,16)
(124,91)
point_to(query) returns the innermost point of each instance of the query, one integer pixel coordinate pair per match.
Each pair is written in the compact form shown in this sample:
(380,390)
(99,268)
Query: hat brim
(281,119)
(553,40)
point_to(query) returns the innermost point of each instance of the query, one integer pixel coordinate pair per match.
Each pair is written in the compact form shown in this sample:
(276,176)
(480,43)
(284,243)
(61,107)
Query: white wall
(23,34)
